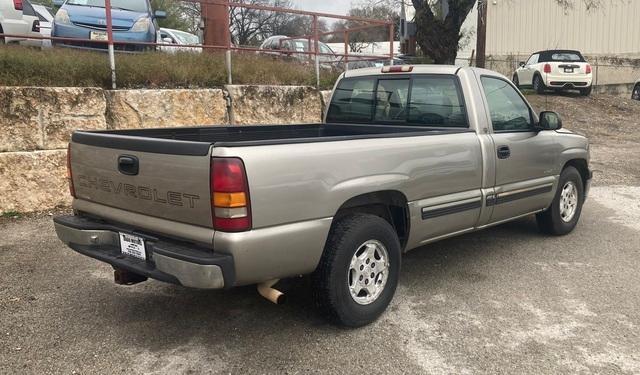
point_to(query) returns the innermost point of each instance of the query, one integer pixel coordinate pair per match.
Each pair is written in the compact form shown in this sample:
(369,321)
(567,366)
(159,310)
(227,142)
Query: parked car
(407,155)
(133,21)
(17,17)
(290,46)
(46,20)
(178,37)
(555,69)
(635,94)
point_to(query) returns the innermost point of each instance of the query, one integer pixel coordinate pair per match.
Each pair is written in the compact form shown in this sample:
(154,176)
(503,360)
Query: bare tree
(359,40)
(439,35)
(251,26)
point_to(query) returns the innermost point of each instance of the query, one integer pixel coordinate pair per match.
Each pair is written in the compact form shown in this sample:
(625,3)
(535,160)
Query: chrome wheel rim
(368,272)
(568,201)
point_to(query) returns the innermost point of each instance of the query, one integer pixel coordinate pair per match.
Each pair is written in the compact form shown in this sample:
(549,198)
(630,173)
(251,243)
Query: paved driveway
(506,300)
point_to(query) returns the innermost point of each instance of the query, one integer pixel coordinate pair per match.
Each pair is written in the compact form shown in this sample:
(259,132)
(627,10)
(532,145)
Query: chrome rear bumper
(167,260)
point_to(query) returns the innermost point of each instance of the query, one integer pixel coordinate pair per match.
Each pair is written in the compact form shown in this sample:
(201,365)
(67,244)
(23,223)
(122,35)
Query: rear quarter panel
(298,182)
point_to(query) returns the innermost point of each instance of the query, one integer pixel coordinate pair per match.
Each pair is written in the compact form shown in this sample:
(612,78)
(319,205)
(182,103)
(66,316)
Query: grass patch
(59,67)
(10,215)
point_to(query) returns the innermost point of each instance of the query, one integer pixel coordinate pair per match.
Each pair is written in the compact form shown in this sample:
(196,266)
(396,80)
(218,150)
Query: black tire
(538,84)
(586,92)
(331,291)
(1,37)
(635,94)
(551,220)
(515,80)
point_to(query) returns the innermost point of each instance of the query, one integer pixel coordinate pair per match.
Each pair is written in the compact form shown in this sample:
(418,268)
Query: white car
(556,70)
(17,17)
(178,37)
(46,20)
(635,94)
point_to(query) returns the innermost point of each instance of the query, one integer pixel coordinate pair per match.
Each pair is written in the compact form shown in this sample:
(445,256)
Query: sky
(324,6)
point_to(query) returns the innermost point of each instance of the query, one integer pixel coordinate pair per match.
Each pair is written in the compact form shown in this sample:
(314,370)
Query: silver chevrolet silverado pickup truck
(407,155)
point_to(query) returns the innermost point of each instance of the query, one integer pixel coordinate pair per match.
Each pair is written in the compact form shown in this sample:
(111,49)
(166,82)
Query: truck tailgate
(164,185)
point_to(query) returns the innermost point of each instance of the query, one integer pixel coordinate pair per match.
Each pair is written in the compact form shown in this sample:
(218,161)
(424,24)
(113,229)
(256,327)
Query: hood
(96,16)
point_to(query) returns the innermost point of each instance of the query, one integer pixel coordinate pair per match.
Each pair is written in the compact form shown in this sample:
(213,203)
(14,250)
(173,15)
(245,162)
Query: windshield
(140,6)
(186,38)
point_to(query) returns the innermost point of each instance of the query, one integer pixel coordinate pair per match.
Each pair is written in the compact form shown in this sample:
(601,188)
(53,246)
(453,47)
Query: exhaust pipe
(124,277)
(274,295)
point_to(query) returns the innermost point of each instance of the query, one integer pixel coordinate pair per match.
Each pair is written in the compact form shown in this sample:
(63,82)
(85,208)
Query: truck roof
(417,69)
(423,69)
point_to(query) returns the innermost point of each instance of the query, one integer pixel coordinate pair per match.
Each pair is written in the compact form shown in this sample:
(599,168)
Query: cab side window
(509,112)
(533,59)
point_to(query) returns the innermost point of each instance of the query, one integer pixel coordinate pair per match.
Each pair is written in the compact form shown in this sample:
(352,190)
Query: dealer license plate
(97,35)
(132,246)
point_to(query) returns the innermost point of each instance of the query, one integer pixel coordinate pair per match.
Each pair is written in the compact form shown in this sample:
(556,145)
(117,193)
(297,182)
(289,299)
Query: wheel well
(581,166)
(391,205)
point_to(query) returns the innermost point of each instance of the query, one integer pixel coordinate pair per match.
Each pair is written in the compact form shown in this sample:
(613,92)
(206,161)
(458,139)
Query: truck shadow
(153,314)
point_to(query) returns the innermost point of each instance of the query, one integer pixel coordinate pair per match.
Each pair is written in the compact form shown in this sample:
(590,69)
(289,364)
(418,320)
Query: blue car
(133,21)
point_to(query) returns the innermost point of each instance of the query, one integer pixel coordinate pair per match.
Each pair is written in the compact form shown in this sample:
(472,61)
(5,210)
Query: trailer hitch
(124,277)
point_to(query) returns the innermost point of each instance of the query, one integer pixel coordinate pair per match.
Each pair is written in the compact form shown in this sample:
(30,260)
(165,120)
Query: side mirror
(160,14)
(521,64)
(58,3)
(167,40)
(549,120)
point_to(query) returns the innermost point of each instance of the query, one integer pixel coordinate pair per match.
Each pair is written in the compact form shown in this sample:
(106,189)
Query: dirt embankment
(612,124)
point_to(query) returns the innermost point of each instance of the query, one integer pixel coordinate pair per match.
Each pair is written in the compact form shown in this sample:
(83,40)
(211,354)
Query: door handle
(128,165)
(504,152)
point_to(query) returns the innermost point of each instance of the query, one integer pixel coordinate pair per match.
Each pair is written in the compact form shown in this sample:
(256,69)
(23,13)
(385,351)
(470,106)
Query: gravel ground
(505,300)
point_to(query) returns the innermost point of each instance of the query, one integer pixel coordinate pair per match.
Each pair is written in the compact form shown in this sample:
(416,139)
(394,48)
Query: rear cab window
(418,100)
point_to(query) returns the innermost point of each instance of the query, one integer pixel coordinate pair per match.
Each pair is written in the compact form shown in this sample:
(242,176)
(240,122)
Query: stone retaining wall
(36,124)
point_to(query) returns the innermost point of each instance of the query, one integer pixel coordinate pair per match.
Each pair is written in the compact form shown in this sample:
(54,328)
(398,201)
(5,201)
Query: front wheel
(358,273)
(563,214)
(635,95)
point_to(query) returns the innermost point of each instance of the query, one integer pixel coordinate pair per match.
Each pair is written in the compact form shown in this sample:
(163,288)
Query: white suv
(17,17)
(555,69)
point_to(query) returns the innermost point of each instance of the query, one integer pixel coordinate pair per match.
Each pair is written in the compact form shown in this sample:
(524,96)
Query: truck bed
(198,140)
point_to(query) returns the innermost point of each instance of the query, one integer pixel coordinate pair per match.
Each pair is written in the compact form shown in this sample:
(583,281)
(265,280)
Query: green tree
(181,15)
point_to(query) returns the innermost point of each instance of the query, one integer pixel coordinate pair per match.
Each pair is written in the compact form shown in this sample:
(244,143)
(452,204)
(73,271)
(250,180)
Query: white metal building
(519,27)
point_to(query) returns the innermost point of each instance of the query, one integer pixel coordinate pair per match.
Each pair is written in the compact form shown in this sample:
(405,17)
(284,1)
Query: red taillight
(230,204)
(547,68)
(72,189)
(17,4)
(588,70)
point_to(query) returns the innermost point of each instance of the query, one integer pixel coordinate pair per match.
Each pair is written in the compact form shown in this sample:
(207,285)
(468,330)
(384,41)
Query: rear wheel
(586,92)
(358,273)
(563,214)
(515,80)
(635,95)
(538,84)
(1,37)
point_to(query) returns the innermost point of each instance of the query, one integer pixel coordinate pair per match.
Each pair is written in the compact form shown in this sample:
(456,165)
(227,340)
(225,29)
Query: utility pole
(481,43)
